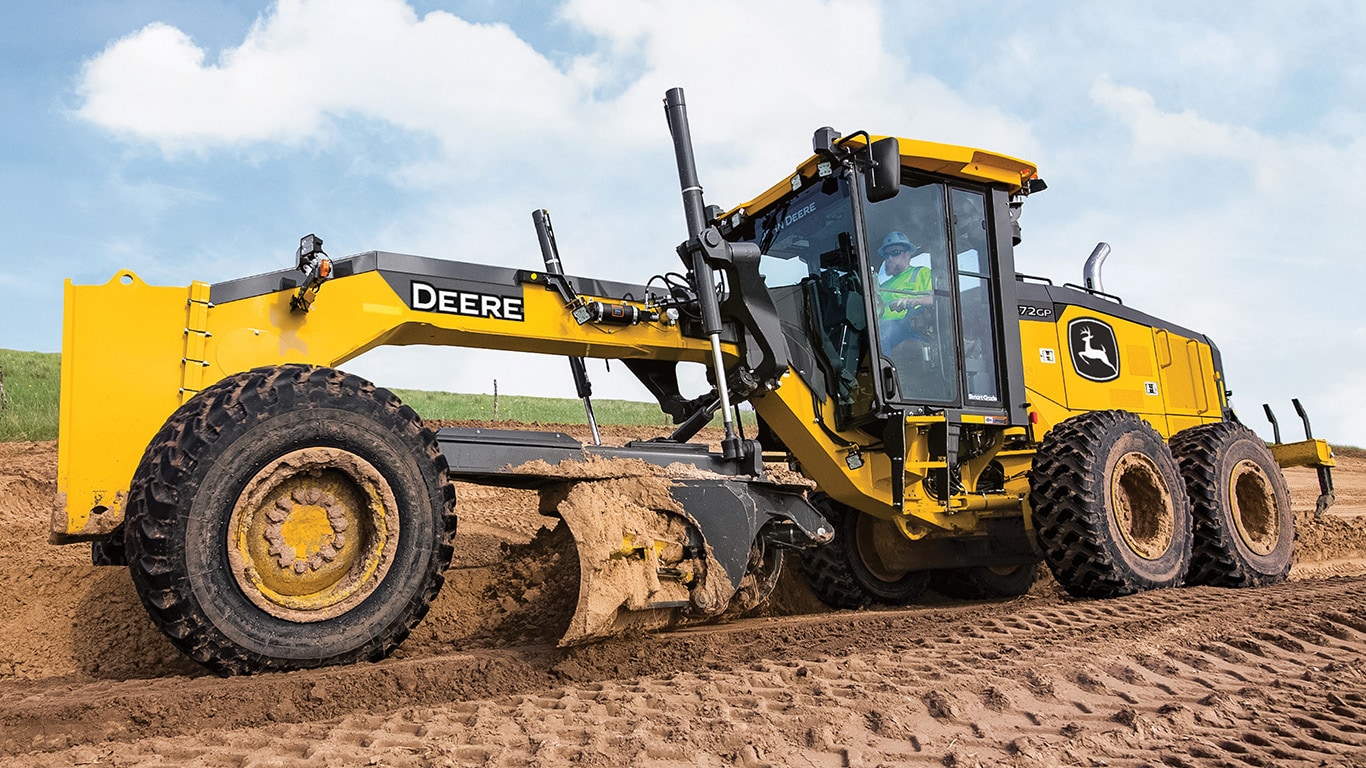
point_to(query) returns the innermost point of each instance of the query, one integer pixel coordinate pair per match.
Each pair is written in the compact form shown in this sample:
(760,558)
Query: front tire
(848,572)
(985,582)
(1109,506)
(1244,527)
(287,518)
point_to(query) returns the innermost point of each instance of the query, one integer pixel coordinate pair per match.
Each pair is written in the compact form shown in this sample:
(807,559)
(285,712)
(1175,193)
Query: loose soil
(1187,677)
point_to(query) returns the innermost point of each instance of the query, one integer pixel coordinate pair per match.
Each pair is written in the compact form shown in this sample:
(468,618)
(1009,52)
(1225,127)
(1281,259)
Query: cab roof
(967,163)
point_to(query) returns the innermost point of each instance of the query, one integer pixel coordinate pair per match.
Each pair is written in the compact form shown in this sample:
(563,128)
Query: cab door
(935,313)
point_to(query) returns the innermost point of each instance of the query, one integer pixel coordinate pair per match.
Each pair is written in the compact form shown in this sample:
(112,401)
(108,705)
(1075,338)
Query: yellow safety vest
(914,281)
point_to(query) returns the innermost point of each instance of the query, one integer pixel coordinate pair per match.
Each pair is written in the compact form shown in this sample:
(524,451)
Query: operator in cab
(905,292)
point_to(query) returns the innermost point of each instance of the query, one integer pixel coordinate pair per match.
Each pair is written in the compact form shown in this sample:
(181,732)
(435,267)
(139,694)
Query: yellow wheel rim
(1252,500)
(1142,506)
(871,536)
(313,534)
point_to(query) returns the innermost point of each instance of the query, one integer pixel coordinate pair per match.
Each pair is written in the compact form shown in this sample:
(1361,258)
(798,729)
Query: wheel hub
(875,540)
(313,534)
(1253,502)
(306,529)
(1142,506)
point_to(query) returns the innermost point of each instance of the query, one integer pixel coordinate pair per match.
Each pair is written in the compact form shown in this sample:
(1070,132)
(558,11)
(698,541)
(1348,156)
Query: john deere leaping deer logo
(1095,353)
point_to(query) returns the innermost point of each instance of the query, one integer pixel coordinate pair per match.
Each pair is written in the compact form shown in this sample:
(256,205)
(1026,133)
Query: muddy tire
(1109,506)
(847,572)
(985,582)
(287,518)
(762,574)
(1244,527)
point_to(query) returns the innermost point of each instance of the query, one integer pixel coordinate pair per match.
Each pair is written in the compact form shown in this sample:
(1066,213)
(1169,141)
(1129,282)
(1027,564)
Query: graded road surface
(1187,677)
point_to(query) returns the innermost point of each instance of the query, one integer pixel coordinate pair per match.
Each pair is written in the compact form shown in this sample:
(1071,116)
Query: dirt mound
(525,598)
(28,484)
(59,615)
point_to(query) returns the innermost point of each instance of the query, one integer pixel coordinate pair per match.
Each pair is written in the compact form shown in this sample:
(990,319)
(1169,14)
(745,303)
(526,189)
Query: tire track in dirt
(1184,677)
(1198,676)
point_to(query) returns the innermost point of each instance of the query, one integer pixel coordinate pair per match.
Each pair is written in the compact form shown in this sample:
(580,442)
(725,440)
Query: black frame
(1013,409)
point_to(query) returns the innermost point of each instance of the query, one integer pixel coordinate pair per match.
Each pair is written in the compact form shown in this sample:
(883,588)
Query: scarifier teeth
(680,575)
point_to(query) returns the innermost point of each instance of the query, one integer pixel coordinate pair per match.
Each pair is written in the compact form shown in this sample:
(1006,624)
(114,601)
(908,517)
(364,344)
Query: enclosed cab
(891,269)
(899,311)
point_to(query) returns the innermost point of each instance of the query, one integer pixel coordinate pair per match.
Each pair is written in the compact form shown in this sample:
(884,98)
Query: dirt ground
(1189,677)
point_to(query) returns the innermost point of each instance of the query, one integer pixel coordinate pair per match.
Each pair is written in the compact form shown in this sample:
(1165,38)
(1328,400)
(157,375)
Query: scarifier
(955,428)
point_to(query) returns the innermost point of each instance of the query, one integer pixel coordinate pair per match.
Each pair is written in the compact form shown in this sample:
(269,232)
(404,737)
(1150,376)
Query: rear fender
(131,354)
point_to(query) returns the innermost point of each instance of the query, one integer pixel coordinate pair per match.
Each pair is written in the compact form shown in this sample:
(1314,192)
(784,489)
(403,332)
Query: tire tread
(1068,506)
(1214,557)
(172,458)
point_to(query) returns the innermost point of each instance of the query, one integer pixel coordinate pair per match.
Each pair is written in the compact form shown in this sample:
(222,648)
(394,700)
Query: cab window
(929,258)
(811,267)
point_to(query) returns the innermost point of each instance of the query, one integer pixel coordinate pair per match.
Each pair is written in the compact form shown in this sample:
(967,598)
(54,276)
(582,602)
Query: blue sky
(1215,146)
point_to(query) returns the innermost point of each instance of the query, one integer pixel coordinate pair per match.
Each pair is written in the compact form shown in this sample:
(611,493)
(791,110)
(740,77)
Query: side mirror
(884,177)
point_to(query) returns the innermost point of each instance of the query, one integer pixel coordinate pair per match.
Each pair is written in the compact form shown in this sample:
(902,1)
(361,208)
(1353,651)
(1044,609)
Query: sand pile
(513,582)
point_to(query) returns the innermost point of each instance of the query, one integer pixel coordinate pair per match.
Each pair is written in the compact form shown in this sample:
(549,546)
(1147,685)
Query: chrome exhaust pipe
(1091,272)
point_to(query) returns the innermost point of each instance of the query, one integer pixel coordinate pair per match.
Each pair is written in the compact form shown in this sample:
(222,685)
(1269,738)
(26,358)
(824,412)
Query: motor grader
(278,513)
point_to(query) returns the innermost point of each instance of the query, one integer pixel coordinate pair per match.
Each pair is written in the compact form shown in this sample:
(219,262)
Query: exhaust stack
(1090,273)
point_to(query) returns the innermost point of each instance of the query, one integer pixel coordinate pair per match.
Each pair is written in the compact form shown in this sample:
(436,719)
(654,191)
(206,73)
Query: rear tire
(847,572)
(984,582)
(1244,526)
(287,518)
(1109,506)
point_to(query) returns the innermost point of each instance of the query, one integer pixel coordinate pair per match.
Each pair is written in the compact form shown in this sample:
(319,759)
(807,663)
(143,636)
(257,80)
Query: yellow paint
(131,349)
(133,353)
(1182,371)
(824,456)
(1306,453)
(122,348)
(947,159)
(307,530)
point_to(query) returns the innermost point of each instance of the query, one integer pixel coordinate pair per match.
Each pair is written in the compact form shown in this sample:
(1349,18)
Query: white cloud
(480,89)
(1224,183)
(154,85)
(588,139)
(310,61)
(1164,137)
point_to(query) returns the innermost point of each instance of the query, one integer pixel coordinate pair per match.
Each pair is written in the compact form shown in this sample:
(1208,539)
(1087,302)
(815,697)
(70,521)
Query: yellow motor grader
(957,422)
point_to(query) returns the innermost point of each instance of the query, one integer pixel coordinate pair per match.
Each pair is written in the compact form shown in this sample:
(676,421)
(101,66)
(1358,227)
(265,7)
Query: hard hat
(897,238)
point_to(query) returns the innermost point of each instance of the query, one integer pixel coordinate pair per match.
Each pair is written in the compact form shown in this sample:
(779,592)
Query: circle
(1142,505)
(1252,499)
(313,534)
